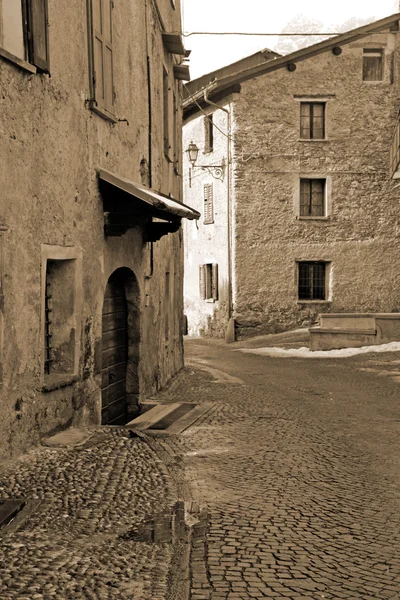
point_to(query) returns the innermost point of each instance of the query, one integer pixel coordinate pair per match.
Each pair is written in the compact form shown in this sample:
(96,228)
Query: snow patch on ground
(307,353)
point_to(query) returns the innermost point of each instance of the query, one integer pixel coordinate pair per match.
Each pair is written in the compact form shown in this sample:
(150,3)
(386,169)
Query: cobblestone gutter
(104,519)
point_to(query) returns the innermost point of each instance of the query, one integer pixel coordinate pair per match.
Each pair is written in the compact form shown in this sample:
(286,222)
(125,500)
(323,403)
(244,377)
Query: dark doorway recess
(120,349)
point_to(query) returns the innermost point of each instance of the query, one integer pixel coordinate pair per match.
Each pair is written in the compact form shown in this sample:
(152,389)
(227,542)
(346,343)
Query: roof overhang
(173,43)
(224,79)
(182,72)
(128,204)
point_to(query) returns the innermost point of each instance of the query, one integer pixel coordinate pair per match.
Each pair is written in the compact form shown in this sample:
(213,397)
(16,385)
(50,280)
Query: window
(24,31)
(208,204)
(102,75)
(312,120)
(311,282)
(209,281)
(59,315)
(208,134)
(312,198)
(166,112)
(372,64)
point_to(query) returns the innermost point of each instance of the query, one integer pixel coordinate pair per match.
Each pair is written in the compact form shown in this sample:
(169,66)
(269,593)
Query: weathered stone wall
(52,145)
(206,243)
(360,234)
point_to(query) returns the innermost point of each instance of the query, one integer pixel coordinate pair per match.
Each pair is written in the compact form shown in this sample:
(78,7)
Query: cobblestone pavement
(77,543)
(298,469)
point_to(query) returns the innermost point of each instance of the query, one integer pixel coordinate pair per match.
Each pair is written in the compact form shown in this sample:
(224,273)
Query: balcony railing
(394,153)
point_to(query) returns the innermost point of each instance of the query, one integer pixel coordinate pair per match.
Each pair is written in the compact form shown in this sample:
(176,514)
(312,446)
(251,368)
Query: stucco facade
(354,239)
(53,217)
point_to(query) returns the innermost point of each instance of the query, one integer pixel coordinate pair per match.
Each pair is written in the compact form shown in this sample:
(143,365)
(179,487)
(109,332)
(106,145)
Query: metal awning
(149,197)
(173,43)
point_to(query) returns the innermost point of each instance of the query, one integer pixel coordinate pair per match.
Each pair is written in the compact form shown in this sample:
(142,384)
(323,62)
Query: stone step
(169,419)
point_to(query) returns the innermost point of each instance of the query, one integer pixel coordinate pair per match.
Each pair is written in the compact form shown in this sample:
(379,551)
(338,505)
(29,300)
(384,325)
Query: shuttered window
(312,276)
(208,280)
(312,120)
(208,134)
(102,55)
(24,31)
(312,198)
(372,64)
(208,204)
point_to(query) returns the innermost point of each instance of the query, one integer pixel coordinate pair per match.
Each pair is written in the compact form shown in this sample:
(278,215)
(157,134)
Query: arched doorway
(120,349)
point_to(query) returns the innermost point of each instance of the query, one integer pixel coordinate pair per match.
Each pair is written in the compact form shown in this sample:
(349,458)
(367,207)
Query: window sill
(57,380)
(210,300)
(314,302)
(19,62)
(316,141)
(102,112)
(208,222)
(303,218)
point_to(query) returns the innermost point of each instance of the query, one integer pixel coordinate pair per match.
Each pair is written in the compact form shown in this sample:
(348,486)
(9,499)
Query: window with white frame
(312,280)
(312,197)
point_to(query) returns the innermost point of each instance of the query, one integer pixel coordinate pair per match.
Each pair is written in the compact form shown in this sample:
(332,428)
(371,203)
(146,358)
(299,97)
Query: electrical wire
(257,34)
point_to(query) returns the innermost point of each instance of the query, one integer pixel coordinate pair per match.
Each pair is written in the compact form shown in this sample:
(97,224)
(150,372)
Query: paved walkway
(80,542)
(298,468)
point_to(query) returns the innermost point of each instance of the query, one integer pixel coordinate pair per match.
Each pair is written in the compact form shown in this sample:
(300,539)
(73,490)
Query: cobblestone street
(297,470)
(78,542)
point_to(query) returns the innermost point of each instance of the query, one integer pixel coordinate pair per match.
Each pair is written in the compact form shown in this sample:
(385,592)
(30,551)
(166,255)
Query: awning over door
(126,203)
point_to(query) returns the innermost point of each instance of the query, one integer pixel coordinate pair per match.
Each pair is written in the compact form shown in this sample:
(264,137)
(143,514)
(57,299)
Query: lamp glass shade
(193,152)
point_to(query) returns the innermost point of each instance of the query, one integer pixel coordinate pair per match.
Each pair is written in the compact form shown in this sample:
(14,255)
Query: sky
(211,52)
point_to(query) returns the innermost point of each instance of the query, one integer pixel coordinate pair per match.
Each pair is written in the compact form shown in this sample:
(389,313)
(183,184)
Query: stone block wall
(359,236)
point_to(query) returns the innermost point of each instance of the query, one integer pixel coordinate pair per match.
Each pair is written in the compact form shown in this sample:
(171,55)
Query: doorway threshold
(169,419)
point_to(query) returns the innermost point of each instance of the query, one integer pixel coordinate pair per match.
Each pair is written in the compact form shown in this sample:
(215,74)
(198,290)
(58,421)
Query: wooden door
(114,353)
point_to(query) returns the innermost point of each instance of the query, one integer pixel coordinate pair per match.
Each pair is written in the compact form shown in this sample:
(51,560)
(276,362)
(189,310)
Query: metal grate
(312,280)
(47,329)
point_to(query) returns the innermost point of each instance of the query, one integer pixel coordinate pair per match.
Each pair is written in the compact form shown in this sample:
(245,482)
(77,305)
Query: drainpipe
(230,332)
(149,98)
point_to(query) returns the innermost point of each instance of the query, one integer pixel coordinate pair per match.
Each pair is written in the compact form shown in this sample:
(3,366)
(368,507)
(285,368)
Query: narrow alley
(297,472)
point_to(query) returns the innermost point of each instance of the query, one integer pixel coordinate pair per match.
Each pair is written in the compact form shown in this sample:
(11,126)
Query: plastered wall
(52,145)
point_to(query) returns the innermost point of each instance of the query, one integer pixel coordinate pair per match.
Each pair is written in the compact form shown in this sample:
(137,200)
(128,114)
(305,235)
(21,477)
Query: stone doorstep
(148,421)
(69,437)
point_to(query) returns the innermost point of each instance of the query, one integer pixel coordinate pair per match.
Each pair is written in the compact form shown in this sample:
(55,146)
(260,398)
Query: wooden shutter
(202,281)
(214,281)
(372,64)
(305,120)
(208,203)
(208,134)
(103,76)
(39,35)
(166,111)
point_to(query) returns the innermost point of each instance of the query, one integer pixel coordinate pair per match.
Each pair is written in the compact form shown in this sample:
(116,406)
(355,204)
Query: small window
(208,204)
(102,75)
(372,64)
(166,112)
(311,282)
(312,198)
(209,281)
(59,315)
(208,134)
(312,120)
(24,31)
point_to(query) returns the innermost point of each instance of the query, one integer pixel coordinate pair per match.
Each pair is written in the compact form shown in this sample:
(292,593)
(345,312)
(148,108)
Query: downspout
(149,99)
(230,333)
(150,125)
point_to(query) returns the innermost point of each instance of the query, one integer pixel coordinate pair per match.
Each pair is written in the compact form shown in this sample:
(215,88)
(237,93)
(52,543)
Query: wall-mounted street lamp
(217,171)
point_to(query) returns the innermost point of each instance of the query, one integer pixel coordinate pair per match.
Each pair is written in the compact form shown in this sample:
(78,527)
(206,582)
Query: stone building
(304,218)
(91,205)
